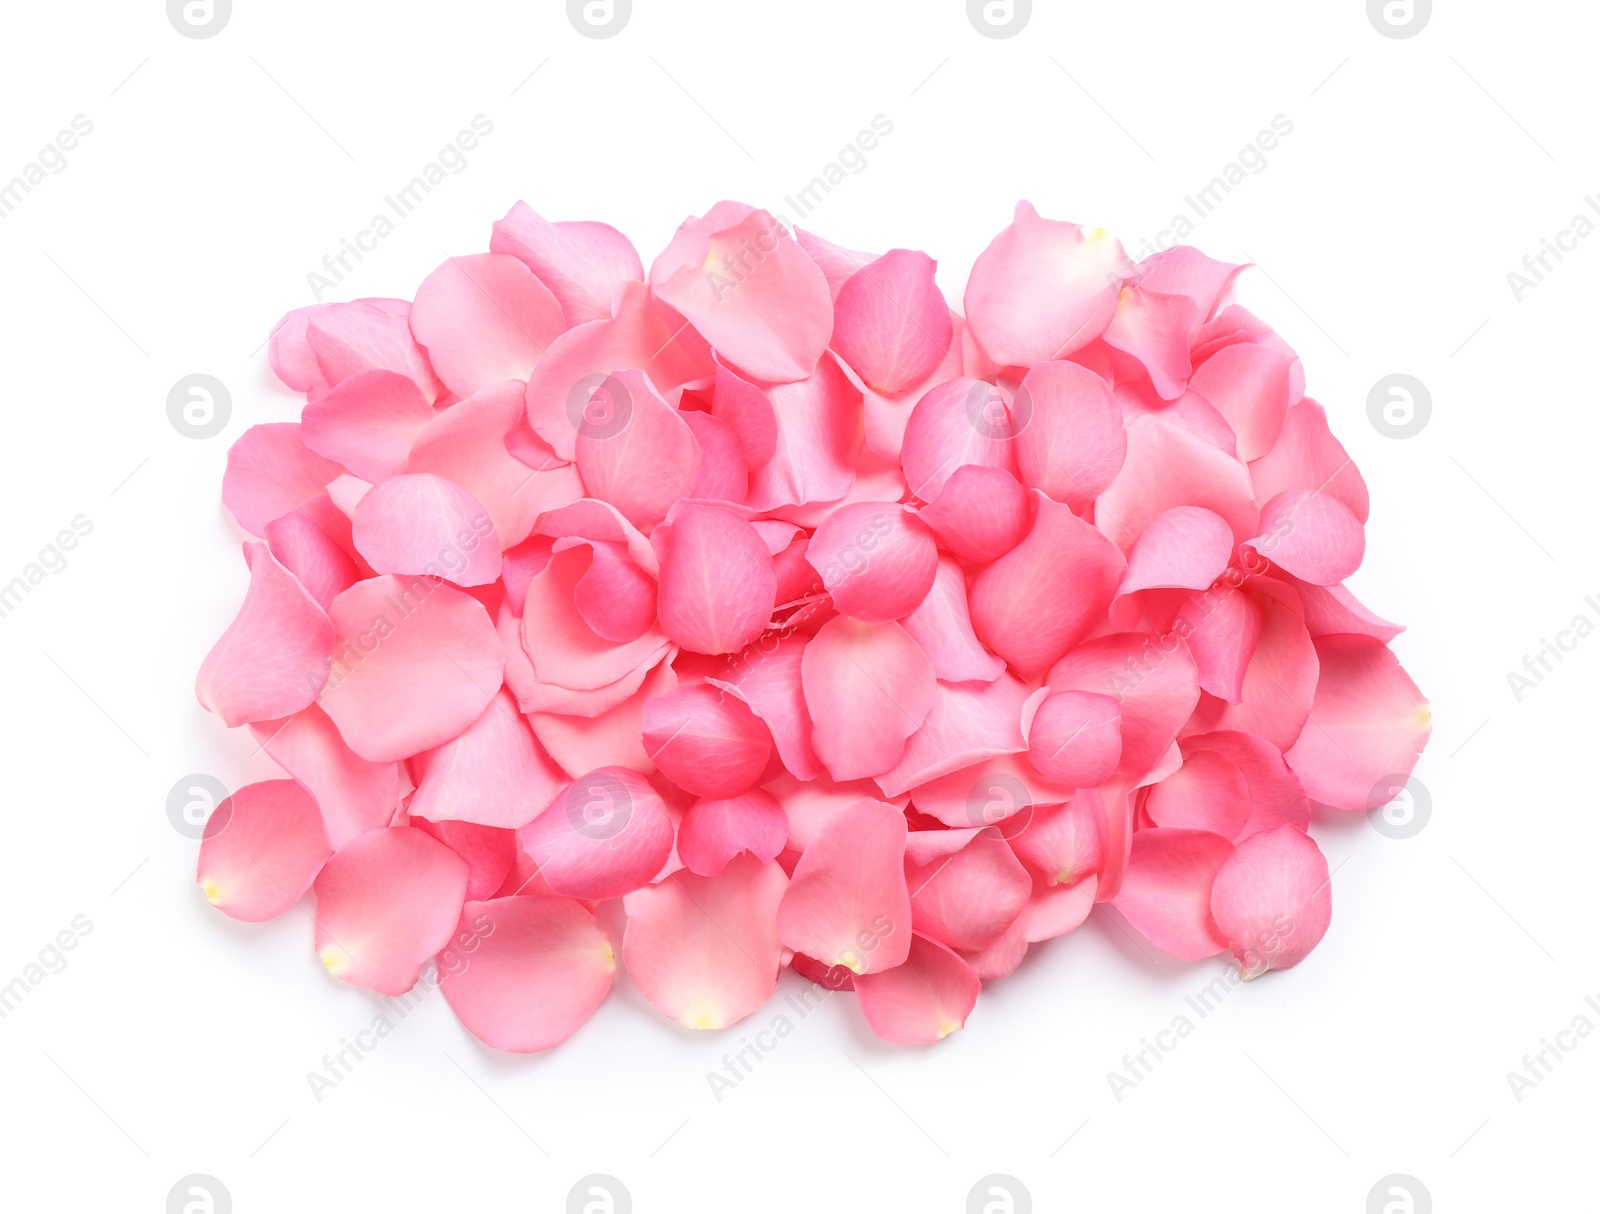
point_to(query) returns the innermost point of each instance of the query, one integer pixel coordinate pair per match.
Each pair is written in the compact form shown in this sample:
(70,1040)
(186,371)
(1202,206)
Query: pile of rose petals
(821,625)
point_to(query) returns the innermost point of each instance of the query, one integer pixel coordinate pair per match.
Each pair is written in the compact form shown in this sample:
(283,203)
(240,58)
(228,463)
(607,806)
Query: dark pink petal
(1070,443)
(1207,793)
(368,423)
(584,264)
(1151,678)
(1076,738)
(1312,535)
(262,848)
(818,424)
(1040,599)
(1043,289)
(868,688)
(1281,679)
(1182,270)
(964,421)
(271,472)
(1251,386)
(1271,900)
(519,565)
(1169,466)
(1187,546)
(981,513)
(634,451)
(1368,724)
(484,318)
(965,900)
(415,662)
(386,902)
(988,793)
(1307,456)
(748,413)
(614,596)
(718,587)
(1332,609)
(312,555)
(274,658)
(419,523)
(1222,628)
(942,625)
(1166,892)
(353,794)
(600,521)
(528,971)
(1065,844)
(876,560)
(847,902)
(704,950)
(608,834)
(706,741)
(724,474)
(1275,797)
(969,722)
(713,832)
(1154,328)
(751,291)
(644,334)
(490,851)
(493,773)
(768,677)
(923,1000)
(890,323)
(466,444)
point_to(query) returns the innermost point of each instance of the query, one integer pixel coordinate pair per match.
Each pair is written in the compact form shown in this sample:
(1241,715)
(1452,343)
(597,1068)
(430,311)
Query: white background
(218,174)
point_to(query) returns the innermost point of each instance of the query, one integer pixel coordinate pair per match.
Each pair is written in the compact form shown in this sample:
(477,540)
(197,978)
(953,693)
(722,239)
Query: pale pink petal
(1279,683)
(273,658)
(415,663)
(1182,270)
(644,334)
(1275,797)
(818,432)
(609,737)
(748,413)
(1251,386)
(1003,789)
(838,264)
(981,513)
(584,264)
(886,416)
(1368,724)
(890,323)
(606,835)
(563,648)
(923,1000)
(1043,289)
(768,677)
(1187,546)
(1076,738)
(1070,441)
(1312,535)
(1040,599)
(484,318)
(1154,328)
(466,444)
(386,902)
(1307,456)
(1207,793)
(353,794)
(634,450)
(847,902)
(1169,466)
(531,970)
(614,596)
(1271,900)
(704,950)
(270,473)
(965,900)
(1222,628)
(876,560)
(1151,678)
(713,832)
(724,474)
(964,421)
(1065,844)
(368,334)
(718,586)
(1331,609)
(419,523)
(493,773)
(969,722)
(751,291)
(810,804)
(706,741)
(262,848)
(368,423)
(490,851)
(316,559)
(868,688)
(1166,892)
(600,521)
(942,625)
